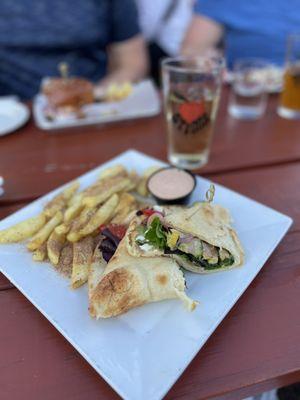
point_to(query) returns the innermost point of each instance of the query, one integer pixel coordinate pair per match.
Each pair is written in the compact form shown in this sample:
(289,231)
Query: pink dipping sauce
(171,184)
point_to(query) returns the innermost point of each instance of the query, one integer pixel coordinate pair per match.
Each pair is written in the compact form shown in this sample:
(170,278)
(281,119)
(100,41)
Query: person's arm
(202,36)
(127,61)
(126,50)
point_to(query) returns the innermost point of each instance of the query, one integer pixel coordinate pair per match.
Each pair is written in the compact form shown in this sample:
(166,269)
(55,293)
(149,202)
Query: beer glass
(289,106)
(191,88)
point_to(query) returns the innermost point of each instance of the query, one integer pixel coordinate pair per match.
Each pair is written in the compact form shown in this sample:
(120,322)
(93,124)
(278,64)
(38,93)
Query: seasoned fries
(110,172)
(105,190)
(55,244)
(40,254)
(103,215)
(23,230)
(42,235)
(74,208)
(63,229)
(82,257)
(67,232)
(80,222)
(61,200)
(65,263)
(126,204)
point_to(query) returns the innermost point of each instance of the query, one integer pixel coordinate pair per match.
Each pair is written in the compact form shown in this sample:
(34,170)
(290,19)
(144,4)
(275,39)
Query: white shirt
(167,34)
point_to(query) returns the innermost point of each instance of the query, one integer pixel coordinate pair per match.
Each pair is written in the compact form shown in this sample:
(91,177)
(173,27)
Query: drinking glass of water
(248,99)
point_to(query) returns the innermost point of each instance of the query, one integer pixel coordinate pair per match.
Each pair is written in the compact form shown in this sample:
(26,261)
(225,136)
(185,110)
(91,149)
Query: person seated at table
(249,28)
(163,24)
(99,40)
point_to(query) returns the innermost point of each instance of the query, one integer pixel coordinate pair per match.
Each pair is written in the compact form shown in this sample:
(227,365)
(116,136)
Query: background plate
(13,115)
(142,102)
(127,350)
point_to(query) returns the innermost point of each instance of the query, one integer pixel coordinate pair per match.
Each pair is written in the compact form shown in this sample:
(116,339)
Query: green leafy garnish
(155,234)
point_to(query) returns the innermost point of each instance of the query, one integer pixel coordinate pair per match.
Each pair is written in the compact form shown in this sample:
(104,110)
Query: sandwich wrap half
(130,281)
(200,238)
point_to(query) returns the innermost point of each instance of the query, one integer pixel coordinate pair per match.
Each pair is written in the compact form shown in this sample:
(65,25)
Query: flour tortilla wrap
(130,281)
(208,222)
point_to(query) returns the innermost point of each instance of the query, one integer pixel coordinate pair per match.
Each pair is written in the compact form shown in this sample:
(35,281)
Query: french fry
(103,185)
(126,204)
(63,228)
(113,171)
(40,254)
(102,215)
(60,201)
(134,179)
(64,265)
(55,244)
(82,257)
(74,198)
(80,222)
(75,208)
(23,230)
(42,235)
(105,192)
(70,190)
(142,185)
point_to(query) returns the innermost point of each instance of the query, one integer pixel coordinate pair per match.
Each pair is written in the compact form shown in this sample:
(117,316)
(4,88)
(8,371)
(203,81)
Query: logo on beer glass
(190,113)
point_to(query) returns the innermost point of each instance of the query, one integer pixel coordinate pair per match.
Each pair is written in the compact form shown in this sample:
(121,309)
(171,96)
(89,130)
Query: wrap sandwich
(200,238)
(128,281)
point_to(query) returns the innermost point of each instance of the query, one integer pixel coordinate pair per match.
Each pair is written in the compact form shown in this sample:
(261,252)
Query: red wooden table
(255,348)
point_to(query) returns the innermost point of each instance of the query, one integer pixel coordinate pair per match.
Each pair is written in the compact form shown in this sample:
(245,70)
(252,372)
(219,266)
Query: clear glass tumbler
(248,98)
(191,87)
(289,106)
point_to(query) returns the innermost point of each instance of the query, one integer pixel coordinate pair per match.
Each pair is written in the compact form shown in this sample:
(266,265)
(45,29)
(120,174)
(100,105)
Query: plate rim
(22,121)
(45,125)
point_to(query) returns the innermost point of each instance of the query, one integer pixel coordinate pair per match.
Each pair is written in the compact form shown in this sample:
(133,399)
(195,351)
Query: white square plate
(127,350)
(142,102)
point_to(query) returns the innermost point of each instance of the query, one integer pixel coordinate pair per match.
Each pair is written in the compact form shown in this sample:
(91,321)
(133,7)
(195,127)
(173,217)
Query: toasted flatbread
(129,282)
(208,222)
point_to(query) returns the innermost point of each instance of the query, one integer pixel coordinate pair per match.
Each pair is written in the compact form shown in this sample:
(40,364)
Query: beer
(290,97)
(191,95)
(289,106)
(190,130)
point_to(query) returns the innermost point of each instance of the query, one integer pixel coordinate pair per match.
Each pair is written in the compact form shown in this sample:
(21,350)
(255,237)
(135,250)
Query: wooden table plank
(4,212)
(33,161)
(277,187)
(37,362)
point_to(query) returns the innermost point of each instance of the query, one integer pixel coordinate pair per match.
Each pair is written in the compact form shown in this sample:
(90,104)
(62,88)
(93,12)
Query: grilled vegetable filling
(171,241)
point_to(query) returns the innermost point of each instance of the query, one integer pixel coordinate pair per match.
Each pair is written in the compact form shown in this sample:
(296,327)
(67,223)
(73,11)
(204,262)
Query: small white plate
(143,352)
(13,115)
(142,102)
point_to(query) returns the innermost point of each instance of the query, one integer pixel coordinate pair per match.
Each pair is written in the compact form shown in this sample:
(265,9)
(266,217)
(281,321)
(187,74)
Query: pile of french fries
(66,232)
